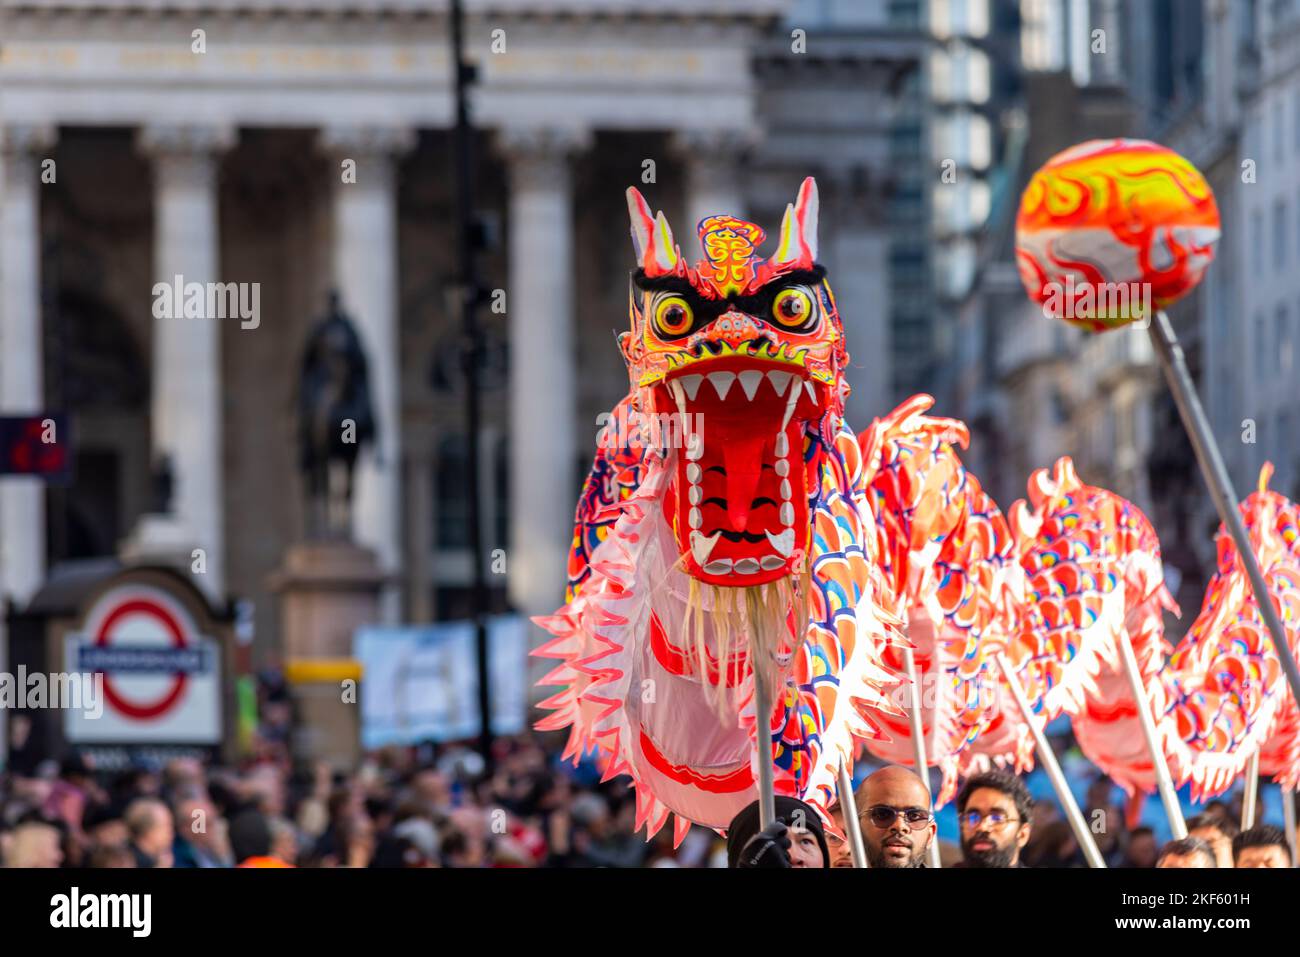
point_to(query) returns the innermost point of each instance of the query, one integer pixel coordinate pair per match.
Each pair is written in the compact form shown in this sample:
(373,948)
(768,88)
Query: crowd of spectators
(402,807)
(426,806)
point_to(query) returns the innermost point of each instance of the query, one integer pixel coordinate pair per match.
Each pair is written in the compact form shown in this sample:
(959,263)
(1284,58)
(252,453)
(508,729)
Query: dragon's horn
(652,237)
(798,242)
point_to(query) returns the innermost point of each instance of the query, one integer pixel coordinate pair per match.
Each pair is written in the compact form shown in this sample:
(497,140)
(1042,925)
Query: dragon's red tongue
(742,457)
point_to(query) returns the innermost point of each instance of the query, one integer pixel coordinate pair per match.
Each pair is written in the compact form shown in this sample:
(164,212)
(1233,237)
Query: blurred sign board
(420,683)
(162,675)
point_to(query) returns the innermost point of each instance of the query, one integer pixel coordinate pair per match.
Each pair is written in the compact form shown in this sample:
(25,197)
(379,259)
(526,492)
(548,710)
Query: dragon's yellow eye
(792,308)
(673,316)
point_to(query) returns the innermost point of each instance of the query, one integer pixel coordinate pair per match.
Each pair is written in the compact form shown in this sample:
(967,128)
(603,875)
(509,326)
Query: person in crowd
(841,852)
(1261,846)
(112,855)
(284,841)
(104,827)
(894,813)
(795,838)
(1188,852)
(1053,845)
(1217,831)
(1142,850)
(151,833)
(201,838)
(995,812)
(251,840)
(33,843)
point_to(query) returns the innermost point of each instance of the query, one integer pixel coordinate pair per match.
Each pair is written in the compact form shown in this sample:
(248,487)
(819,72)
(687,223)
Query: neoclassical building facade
(305,146)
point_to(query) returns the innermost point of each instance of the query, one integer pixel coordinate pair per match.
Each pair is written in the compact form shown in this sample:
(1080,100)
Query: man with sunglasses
(994,810)
(897,826)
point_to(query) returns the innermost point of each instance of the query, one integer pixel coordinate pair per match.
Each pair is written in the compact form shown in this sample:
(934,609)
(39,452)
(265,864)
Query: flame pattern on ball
(1111,229)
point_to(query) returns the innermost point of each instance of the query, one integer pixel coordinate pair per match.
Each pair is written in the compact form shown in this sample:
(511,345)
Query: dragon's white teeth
(783,543)
(771,562)
(749,381)
(746,566)
(812,389)
(722,382)
(790,403)
(779,381)
(720,567)
(783,465)
(785,490)
(693,472)
(782,445)
(702,546)
(691,383)
(787,514)
(694,446)
(676,387)
(694,494)
(695,519)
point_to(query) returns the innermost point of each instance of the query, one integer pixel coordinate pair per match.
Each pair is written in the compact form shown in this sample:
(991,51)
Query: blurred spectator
(33,844)
(201,838)
(149,825)
(112,856)
(252,840)
(1142,848)
(1189,852)
(1262,846)
(1217,831)
(1053,845)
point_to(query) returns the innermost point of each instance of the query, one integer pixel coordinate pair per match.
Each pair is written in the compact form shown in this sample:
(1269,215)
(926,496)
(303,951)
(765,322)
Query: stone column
(710,158)
(22,386)
(543,378)
(185,400)
(364,265)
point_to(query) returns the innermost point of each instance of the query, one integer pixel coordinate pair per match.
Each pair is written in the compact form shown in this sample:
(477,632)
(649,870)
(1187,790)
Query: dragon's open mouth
(739,501)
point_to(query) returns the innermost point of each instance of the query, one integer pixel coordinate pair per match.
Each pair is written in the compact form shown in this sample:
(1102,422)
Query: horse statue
(335,419)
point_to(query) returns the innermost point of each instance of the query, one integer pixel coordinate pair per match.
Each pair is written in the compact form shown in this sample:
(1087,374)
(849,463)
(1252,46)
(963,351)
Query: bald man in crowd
(32,844)
(897,826)
(149,822)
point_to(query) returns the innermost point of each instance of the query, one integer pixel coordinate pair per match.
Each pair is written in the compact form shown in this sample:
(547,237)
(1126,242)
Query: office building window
(1279,124)
(1297,119)
(1283,348)
(1279,235)
(1257,242)
(1261,347)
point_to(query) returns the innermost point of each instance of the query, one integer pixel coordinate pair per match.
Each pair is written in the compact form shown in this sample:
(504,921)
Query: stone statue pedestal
(327,589)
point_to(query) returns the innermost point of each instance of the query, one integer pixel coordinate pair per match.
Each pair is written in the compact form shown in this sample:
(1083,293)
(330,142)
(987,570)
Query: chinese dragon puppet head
(725,535)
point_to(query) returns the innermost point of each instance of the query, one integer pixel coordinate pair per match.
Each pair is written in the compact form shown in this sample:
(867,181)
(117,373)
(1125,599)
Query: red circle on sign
(129,708)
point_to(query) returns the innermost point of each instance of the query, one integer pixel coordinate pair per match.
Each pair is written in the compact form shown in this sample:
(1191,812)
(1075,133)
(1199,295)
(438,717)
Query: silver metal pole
(1288,817)
(1048,760)
(1250,795)
(849,808)
(1170,354)
(763,735)
(918,745)
(1164,783)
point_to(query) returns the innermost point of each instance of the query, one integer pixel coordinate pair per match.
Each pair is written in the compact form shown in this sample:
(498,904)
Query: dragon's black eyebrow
(664,283)
(807,277)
